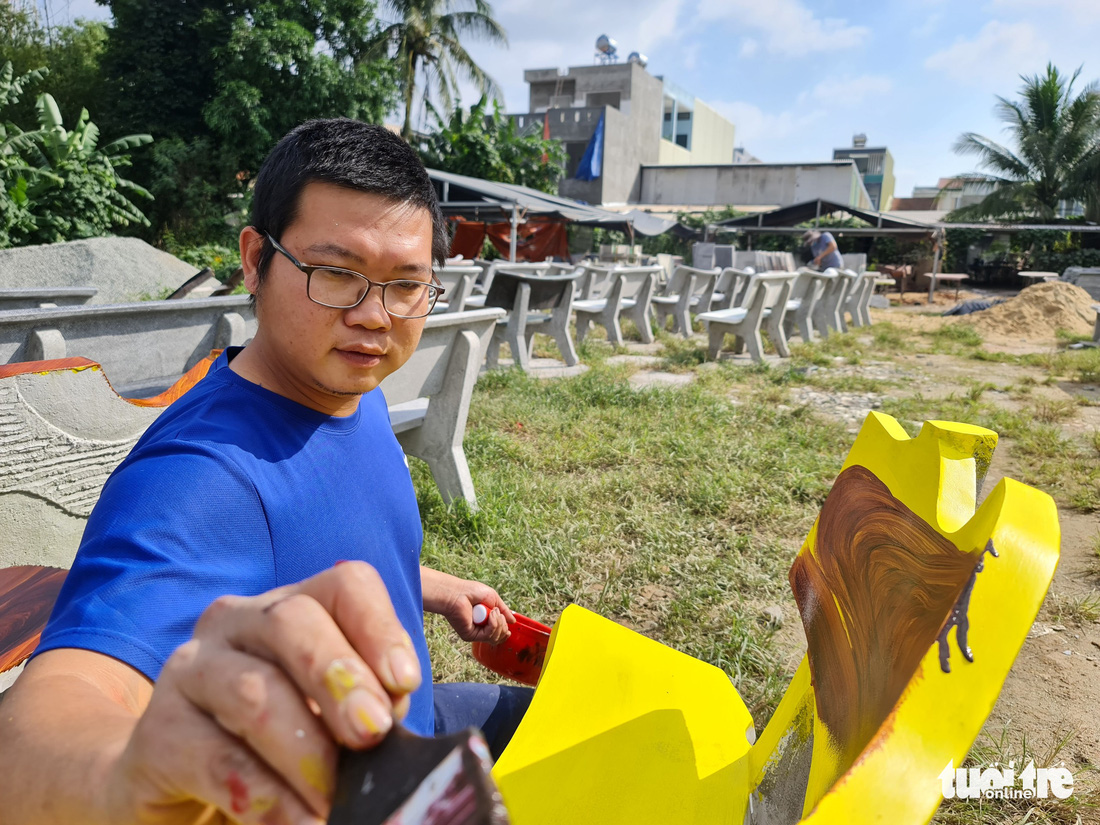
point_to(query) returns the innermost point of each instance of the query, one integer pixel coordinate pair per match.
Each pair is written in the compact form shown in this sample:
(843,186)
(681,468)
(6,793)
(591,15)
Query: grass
(594,492)
(591,491)
(1001,748)
(1083,609)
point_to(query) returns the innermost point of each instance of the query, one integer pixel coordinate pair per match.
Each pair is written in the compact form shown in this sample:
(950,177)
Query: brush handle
(481,614)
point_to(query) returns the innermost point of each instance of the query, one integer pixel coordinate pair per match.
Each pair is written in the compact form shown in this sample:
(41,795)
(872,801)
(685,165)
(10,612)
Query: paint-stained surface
(623,732)
(873,595)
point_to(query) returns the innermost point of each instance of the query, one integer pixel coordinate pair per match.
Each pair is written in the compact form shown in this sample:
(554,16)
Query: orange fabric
(538,239)
(29,367)
(186,382)
(468,239)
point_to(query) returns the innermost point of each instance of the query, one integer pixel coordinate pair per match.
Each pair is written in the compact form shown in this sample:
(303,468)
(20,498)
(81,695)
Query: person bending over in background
(824,249)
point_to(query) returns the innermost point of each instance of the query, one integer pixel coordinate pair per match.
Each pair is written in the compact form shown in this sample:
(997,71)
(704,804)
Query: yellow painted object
(625,730)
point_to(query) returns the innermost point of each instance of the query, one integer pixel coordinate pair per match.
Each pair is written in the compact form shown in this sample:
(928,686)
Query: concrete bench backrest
(770,284)
(144,347)
(636,280)
(45,297)
(65,430)
(458,281)
(680,277)
(547,291)
(425,372)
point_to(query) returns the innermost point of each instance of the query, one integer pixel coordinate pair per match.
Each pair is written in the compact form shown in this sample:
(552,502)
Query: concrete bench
(690,289)
(523,295)
(145,347)
(1088,278)
(429,397)
(765,305)
(458,281)
(64,430)
(45,297)
(628,293)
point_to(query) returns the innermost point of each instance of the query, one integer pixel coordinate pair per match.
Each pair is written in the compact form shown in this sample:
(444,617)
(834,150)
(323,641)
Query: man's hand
(454,599)
(248,714)
(246,717)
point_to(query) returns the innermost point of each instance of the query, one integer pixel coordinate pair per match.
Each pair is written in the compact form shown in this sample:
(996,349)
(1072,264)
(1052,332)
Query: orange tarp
(539,239)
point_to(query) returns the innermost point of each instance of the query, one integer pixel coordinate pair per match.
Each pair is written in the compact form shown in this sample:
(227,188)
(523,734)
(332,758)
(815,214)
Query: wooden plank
(27,595)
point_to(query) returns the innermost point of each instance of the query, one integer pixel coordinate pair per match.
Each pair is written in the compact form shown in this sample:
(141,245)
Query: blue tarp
(591,166)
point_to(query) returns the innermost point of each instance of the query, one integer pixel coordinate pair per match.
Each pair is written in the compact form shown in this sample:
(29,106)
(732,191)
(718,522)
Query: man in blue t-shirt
(824,249)
(210,651)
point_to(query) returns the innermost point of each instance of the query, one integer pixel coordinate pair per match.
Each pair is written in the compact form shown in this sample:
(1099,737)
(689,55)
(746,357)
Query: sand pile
(1038,312)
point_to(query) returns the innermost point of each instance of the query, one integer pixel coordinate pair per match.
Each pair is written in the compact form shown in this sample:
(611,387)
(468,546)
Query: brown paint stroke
(874,596)
(27,595)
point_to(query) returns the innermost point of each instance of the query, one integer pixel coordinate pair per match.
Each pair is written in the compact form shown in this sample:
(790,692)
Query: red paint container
(520,656)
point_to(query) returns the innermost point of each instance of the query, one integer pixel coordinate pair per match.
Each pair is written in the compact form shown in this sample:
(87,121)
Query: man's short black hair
(346,153)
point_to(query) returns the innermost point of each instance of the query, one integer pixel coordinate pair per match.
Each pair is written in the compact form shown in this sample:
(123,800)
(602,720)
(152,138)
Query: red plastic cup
(520,656)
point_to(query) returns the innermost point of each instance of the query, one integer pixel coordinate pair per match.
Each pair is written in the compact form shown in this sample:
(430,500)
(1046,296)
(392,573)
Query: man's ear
(251,244)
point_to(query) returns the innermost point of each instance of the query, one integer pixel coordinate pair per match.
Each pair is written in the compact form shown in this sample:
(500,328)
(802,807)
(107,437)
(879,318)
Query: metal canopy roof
(489,200)
(785,220)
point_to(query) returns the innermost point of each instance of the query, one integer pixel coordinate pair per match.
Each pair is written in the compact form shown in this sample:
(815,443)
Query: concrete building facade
(876,165)
(754,184)
(647,121)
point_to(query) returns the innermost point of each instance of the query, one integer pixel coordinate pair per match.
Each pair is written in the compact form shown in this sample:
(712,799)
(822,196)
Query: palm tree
(427,36)
(1057,150)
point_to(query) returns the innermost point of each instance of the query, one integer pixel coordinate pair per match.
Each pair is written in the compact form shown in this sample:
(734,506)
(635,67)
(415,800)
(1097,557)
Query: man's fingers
(499,627)
(509,616)
(356,597)
(297,633)
(204,764)
(256,702)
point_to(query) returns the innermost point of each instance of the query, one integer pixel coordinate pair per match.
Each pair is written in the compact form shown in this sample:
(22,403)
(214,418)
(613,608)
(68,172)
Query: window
(603,99)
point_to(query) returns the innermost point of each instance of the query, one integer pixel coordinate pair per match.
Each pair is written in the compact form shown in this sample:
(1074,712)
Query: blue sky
(800,77)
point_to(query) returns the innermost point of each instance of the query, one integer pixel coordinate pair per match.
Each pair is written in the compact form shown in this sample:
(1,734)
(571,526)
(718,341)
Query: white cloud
(999,51)
(847,92)
(787,26)
(691,55)
(757,129)
(1084,11)
(749,47)
(929,26)
(562,34)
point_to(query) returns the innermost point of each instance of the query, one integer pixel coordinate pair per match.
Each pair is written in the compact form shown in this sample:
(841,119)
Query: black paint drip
(959,616)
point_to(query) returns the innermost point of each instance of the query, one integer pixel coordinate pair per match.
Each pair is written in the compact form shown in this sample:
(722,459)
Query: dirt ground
(1051,699)
(1053,692)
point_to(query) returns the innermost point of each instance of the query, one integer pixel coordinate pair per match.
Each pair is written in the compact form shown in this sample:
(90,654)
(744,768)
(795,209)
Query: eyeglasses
(331,286)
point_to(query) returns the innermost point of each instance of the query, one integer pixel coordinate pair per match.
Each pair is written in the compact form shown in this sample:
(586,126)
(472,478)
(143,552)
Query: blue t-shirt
(820,245)
(237,490)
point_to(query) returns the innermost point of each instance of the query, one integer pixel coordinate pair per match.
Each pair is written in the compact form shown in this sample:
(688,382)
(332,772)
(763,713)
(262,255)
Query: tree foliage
(485,143)
(1056,151)
(60,184)
(222,80)
(426,36)
(71,52)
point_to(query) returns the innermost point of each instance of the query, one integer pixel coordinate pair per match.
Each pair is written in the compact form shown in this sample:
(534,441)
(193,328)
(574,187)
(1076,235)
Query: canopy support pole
(512,240)
(935,266)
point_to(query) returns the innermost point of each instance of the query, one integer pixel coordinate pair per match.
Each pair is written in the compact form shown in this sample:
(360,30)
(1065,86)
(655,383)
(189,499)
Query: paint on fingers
(314,772)
(340,680)
(238,793)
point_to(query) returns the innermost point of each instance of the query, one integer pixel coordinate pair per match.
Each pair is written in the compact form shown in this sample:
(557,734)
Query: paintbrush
(410,780)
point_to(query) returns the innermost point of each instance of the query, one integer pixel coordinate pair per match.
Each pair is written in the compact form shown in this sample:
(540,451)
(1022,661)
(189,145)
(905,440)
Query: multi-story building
(647,121)
(876,167)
